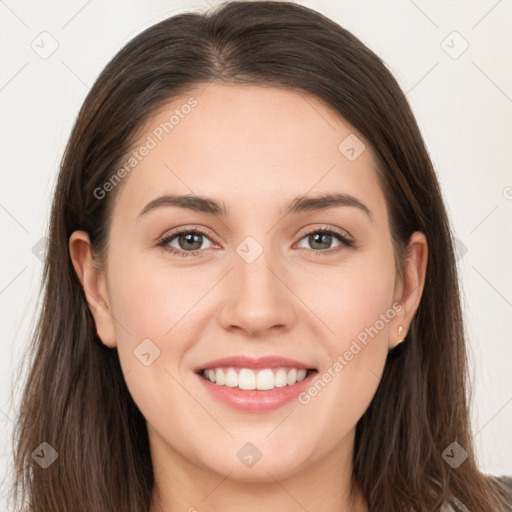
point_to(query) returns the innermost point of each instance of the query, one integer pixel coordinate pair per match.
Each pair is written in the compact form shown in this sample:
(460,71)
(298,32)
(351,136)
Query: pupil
(319,238)
(192,238)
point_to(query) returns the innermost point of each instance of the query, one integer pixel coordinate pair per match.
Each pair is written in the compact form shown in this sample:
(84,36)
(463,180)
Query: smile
(255,384)
(248,379)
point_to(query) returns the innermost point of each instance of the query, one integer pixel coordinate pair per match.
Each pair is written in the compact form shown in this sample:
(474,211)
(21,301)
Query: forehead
(248,145)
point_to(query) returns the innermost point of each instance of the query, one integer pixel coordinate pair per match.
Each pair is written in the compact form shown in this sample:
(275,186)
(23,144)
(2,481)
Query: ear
(94,284)
(408,291)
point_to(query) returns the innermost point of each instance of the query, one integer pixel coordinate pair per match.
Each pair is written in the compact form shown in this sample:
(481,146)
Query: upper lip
(253,362)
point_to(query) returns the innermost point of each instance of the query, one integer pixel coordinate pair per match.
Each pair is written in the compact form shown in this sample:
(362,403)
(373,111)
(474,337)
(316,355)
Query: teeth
(265,380)
(220,378)
(231,378)
(282,379)
(247,379)
(292,376)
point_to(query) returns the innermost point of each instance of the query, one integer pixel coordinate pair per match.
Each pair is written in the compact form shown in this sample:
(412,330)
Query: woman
(306,351)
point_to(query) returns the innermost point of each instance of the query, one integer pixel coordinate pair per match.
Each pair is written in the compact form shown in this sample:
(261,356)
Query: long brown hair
(75,398)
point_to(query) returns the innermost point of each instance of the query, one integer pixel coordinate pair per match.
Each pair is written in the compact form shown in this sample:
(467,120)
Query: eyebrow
(298,205)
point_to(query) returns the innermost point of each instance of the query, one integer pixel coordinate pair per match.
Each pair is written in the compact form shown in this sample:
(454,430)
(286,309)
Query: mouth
(249,373)
(258,385)
(249,379)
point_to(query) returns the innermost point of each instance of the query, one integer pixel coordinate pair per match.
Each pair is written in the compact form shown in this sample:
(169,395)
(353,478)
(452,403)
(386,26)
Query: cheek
(357,306)
(145,307)
(150,299)
(156,311)
(352,297)
(345,386)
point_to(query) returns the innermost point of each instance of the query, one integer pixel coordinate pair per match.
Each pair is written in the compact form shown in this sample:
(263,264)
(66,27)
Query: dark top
(505,483)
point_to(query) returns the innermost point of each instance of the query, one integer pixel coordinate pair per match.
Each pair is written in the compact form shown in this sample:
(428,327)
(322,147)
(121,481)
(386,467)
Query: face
(306,285)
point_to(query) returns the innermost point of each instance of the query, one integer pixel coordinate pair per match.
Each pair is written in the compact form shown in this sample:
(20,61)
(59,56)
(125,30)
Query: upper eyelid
(181,230)
(338,231)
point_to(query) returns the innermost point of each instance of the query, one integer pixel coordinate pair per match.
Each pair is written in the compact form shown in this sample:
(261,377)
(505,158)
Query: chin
(267,469)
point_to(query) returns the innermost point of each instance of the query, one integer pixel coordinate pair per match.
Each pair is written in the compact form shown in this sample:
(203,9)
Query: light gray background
(463,104)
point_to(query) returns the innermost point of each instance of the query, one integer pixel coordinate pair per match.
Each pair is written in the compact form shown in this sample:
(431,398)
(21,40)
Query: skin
(254,148)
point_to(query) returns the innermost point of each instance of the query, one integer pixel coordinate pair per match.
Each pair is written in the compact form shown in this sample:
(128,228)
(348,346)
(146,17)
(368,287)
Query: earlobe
(411,289)
(93,283)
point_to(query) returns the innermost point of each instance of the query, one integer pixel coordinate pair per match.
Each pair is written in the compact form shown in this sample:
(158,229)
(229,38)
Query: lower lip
(256,400)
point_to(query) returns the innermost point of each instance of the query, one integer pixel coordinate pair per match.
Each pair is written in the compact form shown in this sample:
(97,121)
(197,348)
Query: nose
(258,298)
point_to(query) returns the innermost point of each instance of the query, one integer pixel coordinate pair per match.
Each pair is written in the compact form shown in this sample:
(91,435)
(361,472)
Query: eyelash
(163,242)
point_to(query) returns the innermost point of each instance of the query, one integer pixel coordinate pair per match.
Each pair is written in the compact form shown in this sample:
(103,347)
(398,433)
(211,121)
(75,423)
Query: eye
(187,242)
(320,240)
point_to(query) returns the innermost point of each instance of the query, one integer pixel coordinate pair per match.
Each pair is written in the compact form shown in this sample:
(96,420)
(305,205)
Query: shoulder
(503,482)
(457,506)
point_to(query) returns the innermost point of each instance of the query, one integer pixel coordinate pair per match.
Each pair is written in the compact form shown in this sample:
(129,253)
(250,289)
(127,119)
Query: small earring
(400,332)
